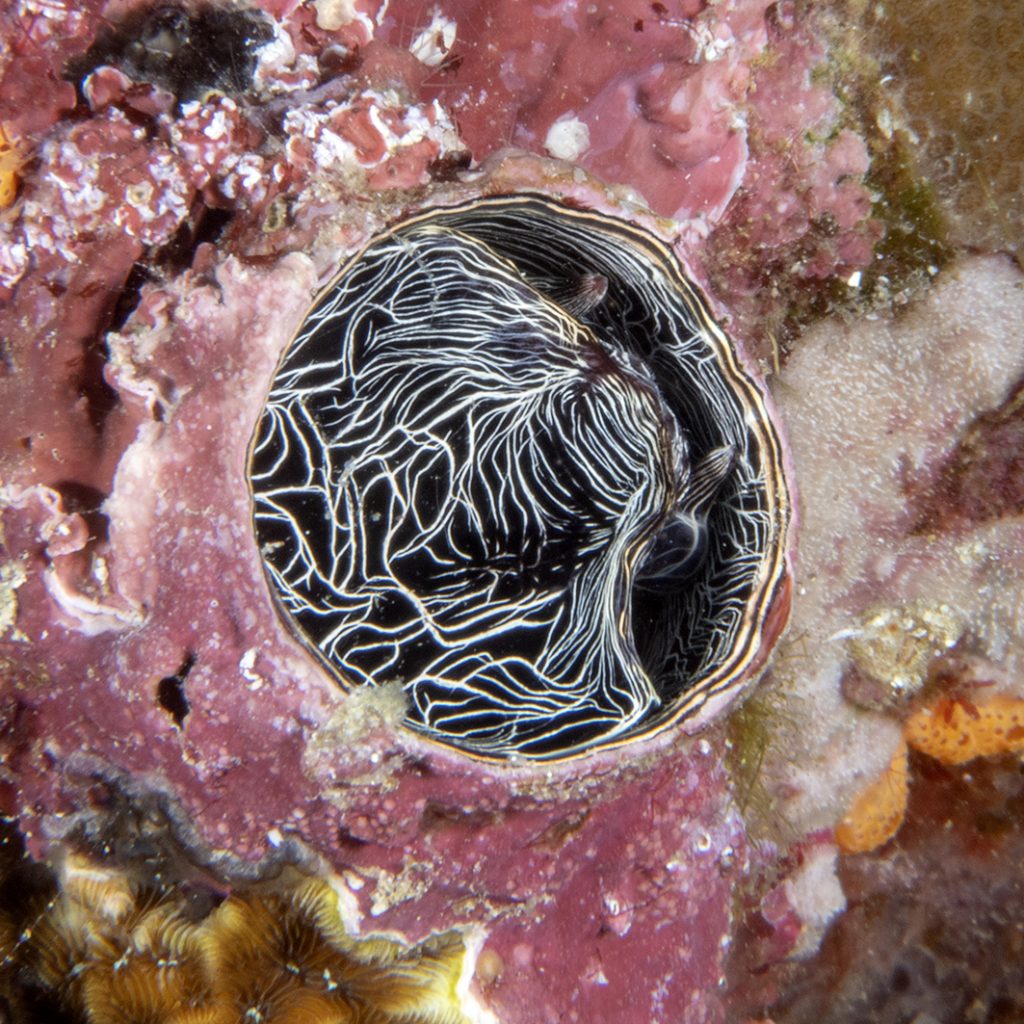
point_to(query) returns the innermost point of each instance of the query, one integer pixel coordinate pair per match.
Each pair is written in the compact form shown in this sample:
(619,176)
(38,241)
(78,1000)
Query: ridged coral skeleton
(115,951)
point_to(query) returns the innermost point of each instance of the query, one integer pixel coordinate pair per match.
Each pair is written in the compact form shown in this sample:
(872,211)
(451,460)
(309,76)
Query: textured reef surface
(181,783)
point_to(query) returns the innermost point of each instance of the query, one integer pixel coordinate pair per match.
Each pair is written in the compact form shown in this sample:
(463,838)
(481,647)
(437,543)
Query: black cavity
(170,691)
(188,51)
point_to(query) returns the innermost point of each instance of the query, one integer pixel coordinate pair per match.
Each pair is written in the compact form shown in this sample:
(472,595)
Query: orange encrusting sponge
(12,159)
(956,731)
(953,731)
(877,813)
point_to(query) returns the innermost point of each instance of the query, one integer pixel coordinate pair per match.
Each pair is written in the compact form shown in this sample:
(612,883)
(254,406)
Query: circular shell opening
(511,465)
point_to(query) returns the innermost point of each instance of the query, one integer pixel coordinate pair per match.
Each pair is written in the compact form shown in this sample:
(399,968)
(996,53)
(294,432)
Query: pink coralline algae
(165,244)
(719,115)
(564,870)
(638,92)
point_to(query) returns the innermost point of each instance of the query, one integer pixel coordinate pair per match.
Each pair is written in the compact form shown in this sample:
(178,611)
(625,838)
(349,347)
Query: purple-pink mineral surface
(177,210)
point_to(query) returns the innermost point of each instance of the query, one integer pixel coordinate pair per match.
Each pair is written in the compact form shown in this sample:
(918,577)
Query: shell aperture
(510,465)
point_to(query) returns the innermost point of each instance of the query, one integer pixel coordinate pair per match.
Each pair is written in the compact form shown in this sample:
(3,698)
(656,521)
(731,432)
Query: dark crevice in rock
(128,298)
(87,501)
(170,691)
(127,822)
(189,50)
(346,840)
(205,224)
(443,817)
(100,398)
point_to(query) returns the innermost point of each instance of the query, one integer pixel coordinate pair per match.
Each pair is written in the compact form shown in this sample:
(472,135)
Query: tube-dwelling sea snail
(511,464)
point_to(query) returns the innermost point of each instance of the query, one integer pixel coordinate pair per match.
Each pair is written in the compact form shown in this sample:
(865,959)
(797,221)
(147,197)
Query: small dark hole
(448,168)
(199,901)
(346,840)
(86,501)
(78,497)
(38,1003)
(170,691)
(900,981)
(337,60)
(418,767)
(451,65)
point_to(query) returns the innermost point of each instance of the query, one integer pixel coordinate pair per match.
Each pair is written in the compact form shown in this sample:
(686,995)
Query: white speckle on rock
(12,576)
(332,151)
(334,14)
(13,255)
(246,177)
(274,56)
(247,663)
(218,126)
(713,42)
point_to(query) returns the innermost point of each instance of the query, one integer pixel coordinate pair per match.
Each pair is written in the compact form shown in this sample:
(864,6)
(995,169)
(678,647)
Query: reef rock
(161,238)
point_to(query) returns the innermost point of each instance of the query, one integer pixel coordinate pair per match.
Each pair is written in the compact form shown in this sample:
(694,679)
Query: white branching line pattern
(501,436)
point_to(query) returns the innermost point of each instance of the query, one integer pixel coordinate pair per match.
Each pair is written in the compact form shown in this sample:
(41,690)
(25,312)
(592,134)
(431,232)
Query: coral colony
(509,513)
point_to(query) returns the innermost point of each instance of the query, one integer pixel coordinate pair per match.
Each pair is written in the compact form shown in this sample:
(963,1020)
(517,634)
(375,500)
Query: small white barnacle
(510,459)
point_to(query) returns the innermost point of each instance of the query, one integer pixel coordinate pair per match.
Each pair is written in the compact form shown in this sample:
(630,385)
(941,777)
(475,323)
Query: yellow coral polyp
(955,731)
(12,159)
(99,889)
(877,813)
(284,956)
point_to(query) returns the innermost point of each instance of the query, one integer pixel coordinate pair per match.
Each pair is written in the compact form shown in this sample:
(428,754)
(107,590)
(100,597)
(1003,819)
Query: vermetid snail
(510,464)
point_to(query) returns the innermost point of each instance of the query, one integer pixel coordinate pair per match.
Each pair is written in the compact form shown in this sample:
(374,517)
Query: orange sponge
(953,730)
(12,158)
(877,813)
(956,731)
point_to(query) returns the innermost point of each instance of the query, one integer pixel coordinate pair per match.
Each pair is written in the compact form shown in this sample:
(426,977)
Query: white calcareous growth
(433,44)
(567,139)
(872,408)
